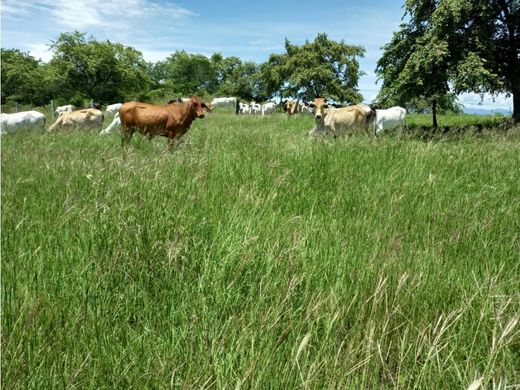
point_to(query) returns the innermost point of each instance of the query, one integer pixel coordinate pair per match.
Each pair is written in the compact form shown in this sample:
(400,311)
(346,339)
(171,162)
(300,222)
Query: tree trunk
(434,113)
(516,104)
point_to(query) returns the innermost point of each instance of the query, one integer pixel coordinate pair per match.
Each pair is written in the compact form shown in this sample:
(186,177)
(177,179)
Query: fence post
(52,109)
(91,103)
(16,105)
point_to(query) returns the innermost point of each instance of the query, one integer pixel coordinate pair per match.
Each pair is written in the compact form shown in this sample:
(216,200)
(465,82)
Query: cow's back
(340,120)
(88,118)
(23,120)
(223,101)
(146,118)
(85,118)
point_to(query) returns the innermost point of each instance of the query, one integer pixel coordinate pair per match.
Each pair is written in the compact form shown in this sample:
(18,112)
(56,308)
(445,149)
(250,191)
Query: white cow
(268,108)
(66,108)
(389,119)
(113,108)
(11,123)
(224,102)
(255,108)
(244,108)
(115,124)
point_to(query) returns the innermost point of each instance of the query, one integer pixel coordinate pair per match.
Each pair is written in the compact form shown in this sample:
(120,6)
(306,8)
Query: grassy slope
(252,256)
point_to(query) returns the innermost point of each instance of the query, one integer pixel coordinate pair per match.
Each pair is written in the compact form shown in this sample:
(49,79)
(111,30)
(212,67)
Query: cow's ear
(326,105)
(312,105)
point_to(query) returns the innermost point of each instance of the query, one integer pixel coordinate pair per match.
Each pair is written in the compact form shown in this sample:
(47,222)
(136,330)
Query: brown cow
(170,120)
(292,107)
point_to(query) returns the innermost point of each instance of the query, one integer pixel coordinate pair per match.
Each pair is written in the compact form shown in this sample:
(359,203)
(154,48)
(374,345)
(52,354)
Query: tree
(23,78)
(187,73)
(320,68)
(226,70)
(453,46)
(88,69)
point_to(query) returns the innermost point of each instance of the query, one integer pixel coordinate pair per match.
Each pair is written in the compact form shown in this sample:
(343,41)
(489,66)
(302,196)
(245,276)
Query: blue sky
(246,29)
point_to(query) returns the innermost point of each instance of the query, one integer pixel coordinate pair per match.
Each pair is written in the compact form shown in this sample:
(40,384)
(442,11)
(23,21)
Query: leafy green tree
(453,46)
(186,73)
(84,69)
(244,81)
(320,68)
(227,69)
(23,78)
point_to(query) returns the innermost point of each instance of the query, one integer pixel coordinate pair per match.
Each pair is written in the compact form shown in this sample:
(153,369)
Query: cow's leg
(171,139)
(175,137)
(171,143)
(400,129)
(126,135)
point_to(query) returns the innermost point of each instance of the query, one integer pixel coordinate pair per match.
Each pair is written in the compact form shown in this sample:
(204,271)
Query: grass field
(252,257)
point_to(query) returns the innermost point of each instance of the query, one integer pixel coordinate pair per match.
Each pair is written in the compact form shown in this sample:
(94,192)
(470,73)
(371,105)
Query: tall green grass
(253,257)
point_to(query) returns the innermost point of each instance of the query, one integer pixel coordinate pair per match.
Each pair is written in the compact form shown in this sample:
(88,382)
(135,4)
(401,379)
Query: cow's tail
(237,106)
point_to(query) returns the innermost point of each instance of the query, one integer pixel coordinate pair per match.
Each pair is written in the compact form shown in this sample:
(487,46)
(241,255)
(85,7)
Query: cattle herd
(172,120)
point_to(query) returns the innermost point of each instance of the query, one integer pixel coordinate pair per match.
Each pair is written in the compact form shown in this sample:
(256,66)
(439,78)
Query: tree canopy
(23,78)
(104,71)
(83,68)
(453,46)
(322,67)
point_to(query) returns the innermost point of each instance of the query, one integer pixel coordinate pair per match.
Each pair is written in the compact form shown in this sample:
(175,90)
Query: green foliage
(103,71)
(243,79)
(320,68)
(23,78)
(453,46)
(83,68)
(185,73)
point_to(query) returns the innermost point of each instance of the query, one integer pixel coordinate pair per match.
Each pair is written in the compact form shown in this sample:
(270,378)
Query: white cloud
(82,14)
(16,8)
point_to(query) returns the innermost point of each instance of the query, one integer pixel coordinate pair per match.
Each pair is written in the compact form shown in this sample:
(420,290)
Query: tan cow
(88,118)
(169,120)
(291,107)
(337,121)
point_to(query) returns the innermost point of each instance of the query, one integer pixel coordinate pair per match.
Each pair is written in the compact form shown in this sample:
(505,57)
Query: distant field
(254,257)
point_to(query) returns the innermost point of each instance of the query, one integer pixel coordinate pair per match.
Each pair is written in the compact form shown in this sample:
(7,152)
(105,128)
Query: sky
(247,29)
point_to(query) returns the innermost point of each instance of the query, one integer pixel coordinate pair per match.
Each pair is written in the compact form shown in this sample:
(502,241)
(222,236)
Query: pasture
(252,257)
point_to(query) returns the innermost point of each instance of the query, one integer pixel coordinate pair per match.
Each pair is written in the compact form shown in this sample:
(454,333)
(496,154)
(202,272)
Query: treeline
(84,68)
(443,48)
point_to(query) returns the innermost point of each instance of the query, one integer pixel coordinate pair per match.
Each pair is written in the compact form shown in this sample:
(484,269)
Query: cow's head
(319,108)
(197,107)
